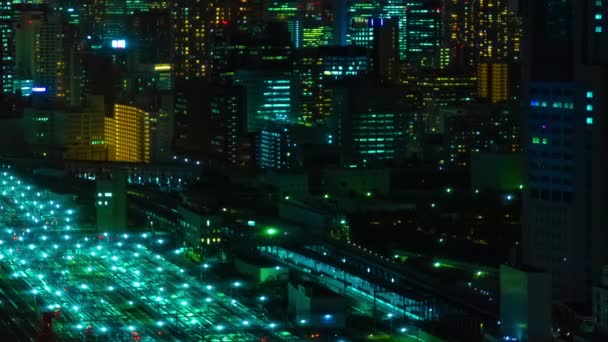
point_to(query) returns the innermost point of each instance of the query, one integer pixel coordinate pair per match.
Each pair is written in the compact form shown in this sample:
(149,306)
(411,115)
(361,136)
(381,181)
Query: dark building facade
(565,79)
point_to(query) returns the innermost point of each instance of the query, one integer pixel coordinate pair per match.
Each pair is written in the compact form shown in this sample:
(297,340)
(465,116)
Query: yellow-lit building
(190,27)
(493,81)
(128,134)
(84,130)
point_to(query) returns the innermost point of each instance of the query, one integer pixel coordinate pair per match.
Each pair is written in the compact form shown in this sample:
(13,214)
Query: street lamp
(235,285)
(203,268)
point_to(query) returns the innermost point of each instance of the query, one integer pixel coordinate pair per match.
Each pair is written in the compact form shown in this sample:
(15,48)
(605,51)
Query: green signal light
(271,231)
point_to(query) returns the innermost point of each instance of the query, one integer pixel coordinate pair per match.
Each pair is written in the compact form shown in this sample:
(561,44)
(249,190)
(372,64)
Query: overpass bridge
(416,295)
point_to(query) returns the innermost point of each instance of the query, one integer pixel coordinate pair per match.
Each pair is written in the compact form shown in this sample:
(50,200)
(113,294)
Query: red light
(224,22)
(29,22)
(100,236)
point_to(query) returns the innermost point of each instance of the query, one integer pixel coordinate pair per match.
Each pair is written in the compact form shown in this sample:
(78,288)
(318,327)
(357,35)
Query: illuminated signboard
(119,43)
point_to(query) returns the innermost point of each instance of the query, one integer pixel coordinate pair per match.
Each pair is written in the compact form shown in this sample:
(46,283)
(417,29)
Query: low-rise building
(317,306)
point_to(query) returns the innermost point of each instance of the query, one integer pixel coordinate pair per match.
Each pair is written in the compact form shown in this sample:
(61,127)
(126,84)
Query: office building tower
(228,119)
(424,35)
(316,35)
(364,16)
(47,56)
(489,30)
(114,19)
(370,120)
(134,6)
(441,89)
(92,18)
(72,134)
(128,134)
(85,130)
(51,62)
(361,32)
(268,95)
(193,127)
(565,68)
(314,69)
(397,10)
(161,132)
(283,10)
(189,30)
(478,128)
(340,19)
(150,37)
(386,50)
(7,50)
(294,26)
(27,29)
(101,76)
(493,81)
(274,147)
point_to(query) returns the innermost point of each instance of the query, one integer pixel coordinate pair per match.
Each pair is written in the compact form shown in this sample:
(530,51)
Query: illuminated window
(598,29)
(598,16)
(589,121)
(589,108)
(589,94)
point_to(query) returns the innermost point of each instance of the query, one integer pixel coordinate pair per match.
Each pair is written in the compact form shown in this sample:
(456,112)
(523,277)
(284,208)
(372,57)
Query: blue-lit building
(274,148)
(268,97)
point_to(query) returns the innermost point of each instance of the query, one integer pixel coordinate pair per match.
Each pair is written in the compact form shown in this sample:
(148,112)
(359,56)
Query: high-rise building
(7,50)
(476,128)
(565,82)
(149,34)
(489,30)
(370,120)
(314,69)
(268,95)
(493,81)
(424,34)
(190,37)
(274,147)
(26,44)
(128,134)
(386,50)
(47,56)
(84,128)
(51,62)
(228,120)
